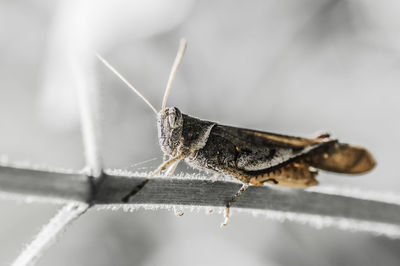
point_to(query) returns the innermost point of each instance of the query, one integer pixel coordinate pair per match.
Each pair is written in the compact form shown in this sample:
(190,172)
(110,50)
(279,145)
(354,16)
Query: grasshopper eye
(174,117)
(173,121)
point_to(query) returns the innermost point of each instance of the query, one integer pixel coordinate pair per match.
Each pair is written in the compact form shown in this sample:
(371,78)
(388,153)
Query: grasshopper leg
(162,167)
(170,171)
(229,204)
(166,165)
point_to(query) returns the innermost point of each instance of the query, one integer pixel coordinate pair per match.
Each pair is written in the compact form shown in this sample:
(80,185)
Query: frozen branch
(320,207)
(71,186)
(88,94)
(45,183)
(49,233)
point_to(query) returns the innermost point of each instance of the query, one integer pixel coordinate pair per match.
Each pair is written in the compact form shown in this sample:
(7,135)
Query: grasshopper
(254,157)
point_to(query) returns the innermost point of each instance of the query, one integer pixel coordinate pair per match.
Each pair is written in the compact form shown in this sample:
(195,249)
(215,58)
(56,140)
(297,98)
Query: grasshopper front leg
(162,167)
(170,171)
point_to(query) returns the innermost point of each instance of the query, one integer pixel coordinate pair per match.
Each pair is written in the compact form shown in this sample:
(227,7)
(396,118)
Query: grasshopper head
(170,125)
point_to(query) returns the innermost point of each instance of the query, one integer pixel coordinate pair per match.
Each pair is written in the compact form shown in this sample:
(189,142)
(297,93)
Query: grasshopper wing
(261,152)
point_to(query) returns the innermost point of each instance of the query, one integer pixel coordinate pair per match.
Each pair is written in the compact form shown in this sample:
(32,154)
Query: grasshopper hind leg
(296,175)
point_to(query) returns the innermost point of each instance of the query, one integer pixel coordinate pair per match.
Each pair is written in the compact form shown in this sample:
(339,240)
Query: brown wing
(323,152)
(343,158)
(260,152)
(267,138)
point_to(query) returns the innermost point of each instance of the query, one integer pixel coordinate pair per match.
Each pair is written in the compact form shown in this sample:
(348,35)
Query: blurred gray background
(293,67)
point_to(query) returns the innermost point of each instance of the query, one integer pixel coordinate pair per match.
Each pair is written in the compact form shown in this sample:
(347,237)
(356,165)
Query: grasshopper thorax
(170,126)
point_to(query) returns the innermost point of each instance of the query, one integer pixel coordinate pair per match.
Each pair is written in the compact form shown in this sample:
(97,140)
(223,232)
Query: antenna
(125,81)
(178,60)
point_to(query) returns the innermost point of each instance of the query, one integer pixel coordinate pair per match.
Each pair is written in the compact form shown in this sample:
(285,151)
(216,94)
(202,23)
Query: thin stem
(49,233)
(88,95)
